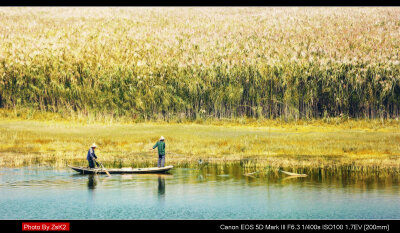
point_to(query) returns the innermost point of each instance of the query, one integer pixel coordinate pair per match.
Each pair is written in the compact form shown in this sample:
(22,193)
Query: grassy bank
(258,145)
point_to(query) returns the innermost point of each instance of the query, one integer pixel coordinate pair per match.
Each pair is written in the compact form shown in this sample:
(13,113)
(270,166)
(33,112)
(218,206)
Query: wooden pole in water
(293,174)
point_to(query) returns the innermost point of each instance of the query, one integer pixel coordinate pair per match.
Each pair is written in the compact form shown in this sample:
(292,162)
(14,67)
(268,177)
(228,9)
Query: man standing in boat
(161,151)
(91,156)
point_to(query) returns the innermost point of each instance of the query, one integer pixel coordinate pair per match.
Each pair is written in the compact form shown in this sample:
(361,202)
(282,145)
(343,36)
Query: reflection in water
(92,182)
(260,176)
(292,177)
(200,177)
(161,187)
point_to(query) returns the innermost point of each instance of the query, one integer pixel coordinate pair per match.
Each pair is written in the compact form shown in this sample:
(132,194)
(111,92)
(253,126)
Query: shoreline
(265,165)
(251,170)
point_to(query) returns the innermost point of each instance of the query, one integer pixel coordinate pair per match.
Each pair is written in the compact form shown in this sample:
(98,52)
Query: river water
(207,193)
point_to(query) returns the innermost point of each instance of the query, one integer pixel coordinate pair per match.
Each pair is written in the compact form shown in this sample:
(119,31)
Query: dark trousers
(91,163)
(161,161)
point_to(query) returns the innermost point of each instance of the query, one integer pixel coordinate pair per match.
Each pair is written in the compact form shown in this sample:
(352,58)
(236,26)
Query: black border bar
(217,225)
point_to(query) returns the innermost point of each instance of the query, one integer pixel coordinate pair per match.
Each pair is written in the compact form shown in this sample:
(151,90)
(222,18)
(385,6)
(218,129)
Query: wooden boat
(86,170)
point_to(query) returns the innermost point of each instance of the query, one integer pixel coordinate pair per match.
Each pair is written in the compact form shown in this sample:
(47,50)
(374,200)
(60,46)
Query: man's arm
(154,146)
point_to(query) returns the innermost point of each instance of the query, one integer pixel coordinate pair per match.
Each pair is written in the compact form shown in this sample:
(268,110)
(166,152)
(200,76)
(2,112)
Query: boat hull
(86,170)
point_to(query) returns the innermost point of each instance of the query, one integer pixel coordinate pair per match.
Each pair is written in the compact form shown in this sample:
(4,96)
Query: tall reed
(200,63)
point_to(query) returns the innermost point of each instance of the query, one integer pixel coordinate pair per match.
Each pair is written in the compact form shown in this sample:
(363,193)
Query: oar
(105,169)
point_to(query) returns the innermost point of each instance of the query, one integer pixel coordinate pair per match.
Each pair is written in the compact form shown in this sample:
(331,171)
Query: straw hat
(93,145)
(162,138)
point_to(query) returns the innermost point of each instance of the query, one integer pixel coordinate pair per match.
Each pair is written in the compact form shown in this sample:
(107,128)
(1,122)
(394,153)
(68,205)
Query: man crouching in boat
(91,156)
(161,151)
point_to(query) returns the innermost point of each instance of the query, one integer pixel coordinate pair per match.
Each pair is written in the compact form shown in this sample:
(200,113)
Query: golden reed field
(199,63)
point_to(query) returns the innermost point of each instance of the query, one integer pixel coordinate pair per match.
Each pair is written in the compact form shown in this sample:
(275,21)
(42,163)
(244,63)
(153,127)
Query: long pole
(105,169)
